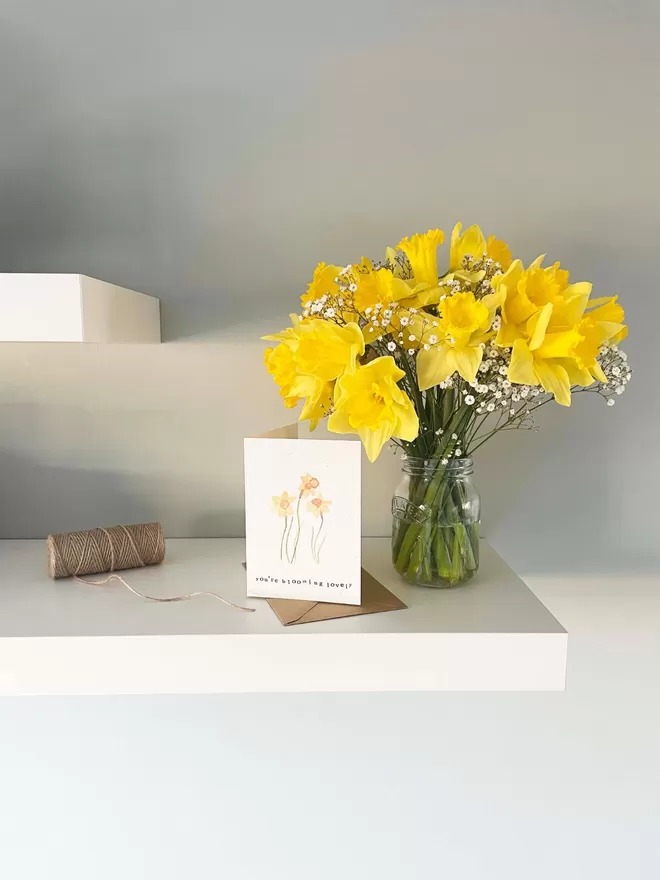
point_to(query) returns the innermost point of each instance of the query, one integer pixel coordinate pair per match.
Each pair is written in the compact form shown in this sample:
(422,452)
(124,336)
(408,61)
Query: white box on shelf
(45,307)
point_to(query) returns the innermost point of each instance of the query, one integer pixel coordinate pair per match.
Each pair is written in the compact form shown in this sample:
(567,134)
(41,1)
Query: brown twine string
(99,550)
(72,554)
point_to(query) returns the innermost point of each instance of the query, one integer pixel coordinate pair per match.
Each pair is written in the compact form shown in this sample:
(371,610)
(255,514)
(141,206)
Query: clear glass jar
(436,512)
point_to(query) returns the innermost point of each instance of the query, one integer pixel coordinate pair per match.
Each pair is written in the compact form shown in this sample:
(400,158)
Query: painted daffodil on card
(308,485)
(284,504)
(319,505)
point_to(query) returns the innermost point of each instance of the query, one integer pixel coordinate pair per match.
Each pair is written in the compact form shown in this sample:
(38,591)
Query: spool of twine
(95,551)
(100,550)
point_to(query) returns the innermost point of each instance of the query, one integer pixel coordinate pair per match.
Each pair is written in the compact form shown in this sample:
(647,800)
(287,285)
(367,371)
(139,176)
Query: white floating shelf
(74,308)
(63,637)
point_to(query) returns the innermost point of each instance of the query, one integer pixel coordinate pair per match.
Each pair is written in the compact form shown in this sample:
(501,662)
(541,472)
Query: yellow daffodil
(370,403)
(422,253)
(545,365)
(376,286)
(327,350)
(281,366)
(322,348)
(608,315)
(284,504)
(498,250)
(319,505)
(462,244)
(318,396)
(290,335)
(463,325)
(323,282)
(308,485)
(558,360)
(473,243)
(320,351)
(540,295)
(602,325)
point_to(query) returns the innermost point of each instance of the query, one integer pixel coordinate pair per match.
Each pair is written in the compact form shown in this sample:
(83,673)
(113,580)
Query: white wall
(210,153)
(472,787)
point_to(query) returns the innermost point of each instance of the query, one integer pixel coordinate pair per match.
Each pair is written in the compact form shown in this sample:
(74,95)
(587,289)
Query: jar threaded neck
(454,467)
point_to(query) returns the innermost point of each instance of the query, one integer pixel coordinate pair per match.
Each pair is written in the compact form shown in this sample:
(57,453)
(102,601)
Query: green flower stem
(427,494)
(443,547)
(440,553)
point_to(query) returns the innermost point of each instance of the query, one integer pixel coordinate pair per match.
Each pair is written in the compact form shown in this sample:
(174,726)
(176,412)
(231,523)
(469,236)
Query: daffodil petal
(521,368)
(577,375)
(510,278)
(578,288)
(537,325)
(433,367)
(338,422)
(557,345)
(421,250)
(467,361)
(554,379)
(570,312)
(407,427)
(507,335)
(600,301)
(470,242)
(373,439)
(493,300)
(621,335)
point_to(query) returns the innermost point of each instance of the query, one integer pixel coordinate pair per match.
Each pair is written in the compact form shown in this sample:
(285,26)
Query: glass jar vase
(436,511)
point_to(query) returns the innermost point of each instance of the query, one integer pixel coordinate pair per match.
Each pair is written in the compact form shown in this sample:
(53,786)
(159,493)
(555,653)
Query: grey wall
(210,153)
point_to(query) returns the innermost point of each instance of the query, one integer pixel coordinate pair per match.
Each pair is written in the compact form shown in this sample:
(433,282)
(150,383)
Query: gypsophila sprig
(438,363)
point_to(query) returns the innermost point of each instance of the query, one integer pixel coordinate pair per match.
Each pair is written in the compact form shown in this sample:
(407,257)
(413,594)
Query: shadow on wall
(39,499)
(552,501)
(123,180)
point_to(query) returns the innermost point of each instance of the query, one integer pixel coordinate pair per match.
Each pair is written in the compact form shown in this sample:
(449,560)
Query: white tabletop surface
(66,637)
(33,605)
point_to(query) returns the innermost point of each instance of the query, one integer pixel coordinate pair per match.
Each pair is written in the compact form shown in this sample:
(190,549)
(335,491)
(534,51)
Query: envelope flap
(375,598)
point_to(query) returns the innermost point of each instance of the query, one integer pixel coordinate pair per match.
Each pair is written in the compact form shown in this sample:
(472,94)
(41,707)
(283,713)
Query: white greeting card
(302,519)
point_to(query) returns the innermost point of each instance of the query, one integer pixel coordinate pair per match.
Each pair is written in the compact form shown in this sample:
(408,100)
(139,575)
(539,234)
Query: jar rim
(411,464)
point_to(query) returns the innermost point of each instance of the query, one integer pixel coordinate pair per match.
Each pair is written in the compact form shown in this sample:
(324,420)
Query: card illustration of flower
(318,506)
(302,519)
(288,507)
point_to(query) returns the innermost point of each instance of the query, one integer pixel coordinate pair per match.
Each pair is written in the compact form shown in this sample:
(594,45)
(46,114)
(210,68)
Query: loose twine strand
(72,554)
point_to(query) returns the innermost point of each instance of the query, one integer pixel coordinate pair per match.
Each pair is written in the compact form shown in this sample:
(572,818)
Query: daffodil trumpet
(397,352)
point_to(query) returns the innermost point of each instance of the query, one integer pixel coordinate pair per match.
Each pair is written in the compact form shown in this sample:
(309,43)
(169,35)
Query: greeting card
(302,519)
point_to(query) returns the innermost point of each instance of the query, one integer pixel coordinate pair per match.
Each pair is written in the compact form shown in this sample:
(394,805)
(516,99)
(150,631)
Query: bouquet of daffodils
(439,363)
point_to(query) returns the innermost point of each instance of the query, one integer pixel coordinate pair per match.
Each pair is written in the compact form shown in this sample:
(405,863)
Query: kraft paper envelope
(286,432)
(375,597)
